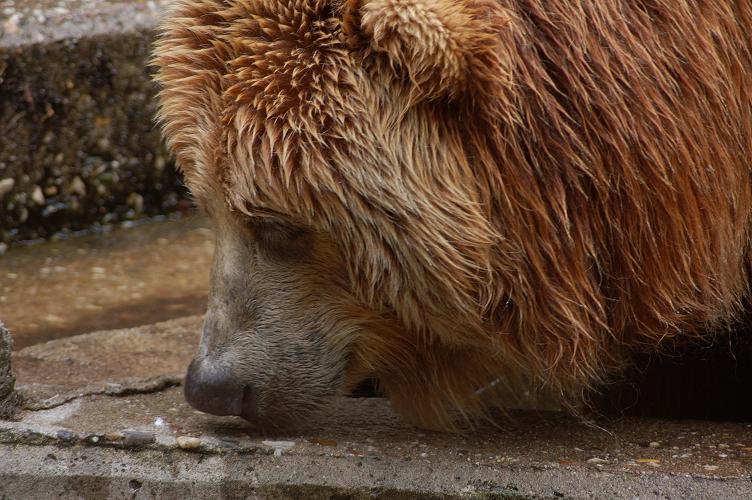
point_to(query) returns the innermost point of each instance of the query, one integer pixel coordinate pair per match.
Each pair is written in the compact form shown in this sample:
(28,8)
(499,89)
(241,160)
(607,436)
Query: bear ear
(431,42)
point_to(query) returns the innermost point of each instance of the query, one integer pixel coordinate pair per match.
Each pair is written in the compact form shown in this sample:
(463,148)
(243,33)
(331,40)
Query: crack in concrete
(126,388)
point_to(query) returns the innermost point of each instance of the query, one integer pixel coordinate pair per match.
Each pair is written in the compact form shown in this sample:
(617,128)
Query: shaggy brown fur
(522,189)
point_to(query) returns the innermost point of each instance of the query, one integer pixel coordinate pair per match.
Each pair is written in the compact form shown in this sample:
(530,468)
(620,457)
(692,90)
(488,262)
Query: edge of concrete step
(120,432)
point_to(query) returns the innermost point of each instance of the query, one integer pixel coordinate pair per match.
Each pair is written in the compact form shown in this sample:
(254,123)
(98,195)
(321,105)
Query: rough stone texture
(132,442)
(360,449)
(113,362)
(108,472)
(8,398)
(78,143)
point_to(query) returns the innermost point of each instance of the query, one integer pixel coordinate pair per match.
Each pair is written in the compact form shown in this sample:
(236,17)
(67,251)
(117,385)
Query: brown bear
(461,198)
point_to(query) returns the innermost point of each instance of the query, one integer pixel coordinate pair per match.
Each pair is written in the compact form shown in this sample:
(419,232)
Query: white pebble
(282,445)
(5,186)
(37,195)
(188,442)
(78,187)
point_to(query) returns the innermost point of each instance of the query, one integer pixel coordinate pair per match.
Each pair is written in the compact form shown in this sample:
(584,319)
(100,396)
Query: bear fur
(525,190)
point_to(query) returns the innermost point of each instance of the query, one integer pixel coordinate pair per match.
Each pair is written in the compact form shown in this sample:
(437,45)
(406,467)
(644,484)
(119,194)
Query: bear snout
(212,389)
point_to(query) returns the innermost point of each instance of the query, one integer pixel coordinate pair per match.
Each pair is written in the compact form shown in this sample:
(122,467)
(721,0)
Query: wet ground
(114,396)
(118,279)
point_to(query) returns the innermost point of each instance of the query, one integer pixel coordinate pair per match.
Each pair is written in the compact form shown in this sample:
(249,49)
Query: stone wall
(8,397)
(78,141)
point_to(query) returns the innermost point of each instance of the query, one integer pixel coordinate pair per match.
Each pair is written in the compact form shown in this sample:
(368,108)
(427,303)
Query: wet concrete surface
(145,432)
(118,279)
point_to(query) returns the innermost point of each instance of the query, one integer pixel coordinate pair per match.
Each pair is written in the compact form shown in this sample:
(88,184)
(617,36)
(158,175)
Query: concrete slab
(113,362)
(108,444)
(78,142)
(141,441)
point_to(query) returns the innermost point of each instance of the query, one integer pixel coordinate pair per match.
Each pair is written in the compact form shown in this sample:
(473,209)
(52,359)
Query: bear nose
(214,390)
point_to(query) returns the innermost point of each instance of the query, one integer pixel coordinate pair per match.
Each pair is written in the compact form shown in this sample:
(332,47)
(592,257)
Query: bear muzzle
(212,389)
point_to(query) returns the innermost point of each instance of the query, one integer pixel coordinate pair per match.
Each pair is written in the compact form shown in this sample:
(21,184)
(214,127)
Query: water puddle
(126,277)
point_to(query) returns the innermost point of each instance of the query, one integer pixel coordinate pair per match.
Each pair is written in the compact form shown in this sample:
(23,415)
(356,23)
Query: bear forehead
(269,102)
(288,60)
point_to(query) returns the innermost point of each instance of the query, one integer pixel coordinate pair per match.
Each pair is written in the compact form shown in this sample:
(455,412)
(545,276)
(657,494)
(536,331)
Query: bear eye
(280,240)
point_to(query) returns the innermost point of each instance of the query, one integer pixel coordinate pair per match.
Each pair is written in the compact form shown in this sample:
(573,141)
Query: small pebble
(654,444)
(188,442)
(78,187)
(279,446)
(136,201)
(596,460)
(138,438)
(283,445)
(65,435)
(37,195)
(710,467)
(5,186)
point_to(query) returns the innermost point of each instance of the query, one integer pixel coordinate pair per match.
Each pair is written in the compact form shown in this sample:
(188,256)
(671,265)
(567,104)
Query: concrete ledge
(89,472)
(113,433)
(102,446)
(78,144)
